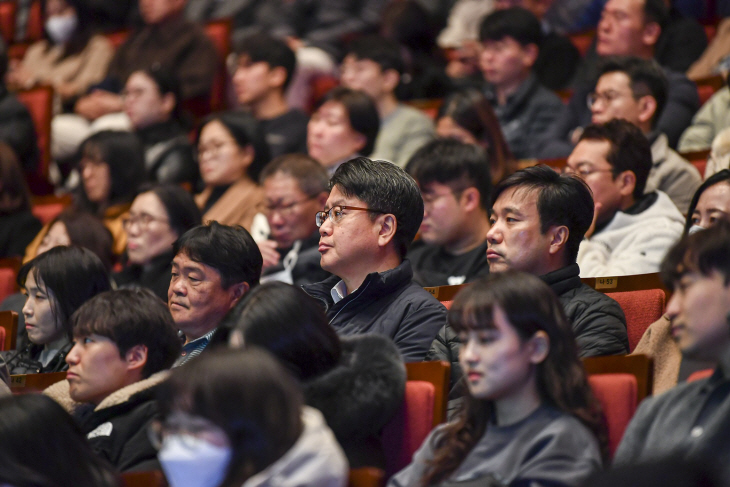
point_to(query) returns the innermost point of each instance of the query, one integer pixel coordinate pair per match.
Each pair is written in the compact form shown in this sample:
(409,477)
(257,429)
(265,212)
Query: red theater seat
(617,395)
(642,308)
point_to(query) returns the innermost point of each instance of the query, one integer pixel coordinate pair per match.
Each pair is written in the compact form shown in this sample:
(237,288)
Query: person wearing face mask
(124,342)
(237,418)
(710,204)
(71,57)
(57,283)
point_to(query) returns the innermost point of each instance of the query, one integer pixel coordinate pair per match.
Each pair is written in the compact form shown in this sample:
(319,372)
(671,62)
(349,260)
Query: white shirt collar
(339,291)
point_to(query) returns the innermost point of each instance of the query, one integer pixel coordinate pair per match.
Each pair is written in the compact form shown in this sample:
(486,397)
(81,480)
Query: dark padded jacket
(597,320)
(387,303)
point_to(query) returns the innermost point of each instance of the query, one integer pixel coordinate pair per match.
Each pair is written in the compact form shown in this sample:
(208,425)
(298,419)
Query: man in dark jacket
(125,341)
(538,221)
(371,216)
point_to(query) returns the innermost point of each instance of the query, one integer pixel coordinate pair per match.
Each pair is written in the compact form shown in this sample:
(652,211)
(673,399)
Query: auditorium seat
(438,373)
(8,273)
(366,477)
(46,208)
(219,32)
(698,159)
(640,366)
(39,102)
(31,383)
(617,395)
(583,40)
(700,374)
(8,329)
(154,478)
(706,87)
(642,308)
(8,11)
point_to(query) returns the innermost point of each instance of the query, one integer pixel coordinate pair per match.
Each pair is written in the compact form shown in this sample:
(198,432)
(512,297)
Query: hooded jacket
(117,428)
(360,395)
(387,303)
(597,320)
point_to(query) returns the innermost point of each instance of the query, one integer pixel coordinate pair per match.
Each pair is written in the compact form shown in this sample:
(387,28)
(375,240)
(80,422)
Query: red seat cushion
(405,433)
(2,339)
(617,395)
(7,282)
(642,308)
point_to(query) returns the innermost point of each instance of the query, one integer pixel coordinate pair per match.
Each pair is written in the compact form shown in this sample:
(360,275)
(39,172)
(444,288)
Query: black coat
(387,303)
(155,276)
(360,395)
(598,323)
(17,230)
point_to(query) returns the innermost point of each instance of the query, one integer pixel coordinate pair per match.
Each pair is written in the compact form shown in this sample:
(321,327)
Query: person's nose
(494,234)
(326,228)
(72,358)
(177,286)
(674,305)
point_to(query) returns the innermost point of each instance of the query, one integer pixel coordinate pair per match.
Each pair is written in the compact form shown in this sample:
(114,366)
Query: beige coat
(658,344)
(237,206)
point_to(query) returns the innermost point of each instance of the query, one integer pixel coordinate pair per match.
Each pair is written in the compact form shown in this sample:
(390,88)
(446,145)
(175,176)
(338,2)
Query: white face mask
(694,229)
(193,462)
(60,28)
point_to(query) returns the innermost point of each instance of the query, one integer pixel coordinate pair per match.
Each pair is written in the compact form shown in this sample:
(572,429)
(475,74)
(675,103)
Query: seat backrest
(117,37)
(445,293)
(617,395)
(154,478)
(46,208)
(700,374)
(28,383)
(640,366)
(583,40)
(34,29)
(366,477)
(405,433)
(39,102)
(9,329)
(219,32)
(8,11)
(8,273)
(438,374)
(706,87)
(642,308)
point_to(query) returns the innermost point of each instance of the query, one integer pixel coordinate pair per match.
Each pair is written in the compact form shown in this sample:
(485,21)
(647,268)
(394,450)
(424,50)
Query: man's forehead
(518,198)
(613,80)
(338,198)
(589,151)
(182,259)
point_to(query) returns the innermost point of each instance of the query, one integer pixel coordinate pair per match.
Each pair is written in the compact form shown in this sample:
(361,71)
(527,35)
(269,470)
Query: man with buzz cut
(370,218)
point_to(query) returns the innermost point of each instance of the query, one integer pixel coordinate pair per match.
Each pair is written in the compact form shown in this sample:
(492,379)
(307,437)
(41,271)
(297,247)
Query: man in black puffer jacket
(538,221)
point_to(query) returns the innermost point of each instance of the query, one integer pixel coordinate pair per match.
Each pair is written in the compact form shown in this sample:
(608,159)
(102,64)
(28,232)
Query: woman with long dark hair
(41,446)
(530,415)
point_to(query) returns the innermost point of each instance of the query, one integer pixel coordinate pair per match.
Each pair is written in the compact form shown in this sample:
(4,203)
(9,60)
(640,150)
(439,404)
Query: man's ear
(558,238)
(539,347)
(136,358)
(168,102)
(237,291)
(530,54)
(277,76)
(361,141)
(647,108)
(470,199)
(650,34)
(388,227)
(322,198)
(627,182)
(391,78)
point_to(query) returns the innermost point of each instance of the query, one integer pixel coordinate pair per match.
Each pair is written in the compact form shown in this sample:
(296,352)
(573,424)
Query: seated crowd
(243,261)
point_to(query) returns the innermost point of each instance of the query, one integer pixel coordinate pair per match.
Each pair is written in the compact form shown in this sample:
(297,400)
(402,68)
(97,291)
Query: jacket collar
(376,283)
(563,279)
(516,99)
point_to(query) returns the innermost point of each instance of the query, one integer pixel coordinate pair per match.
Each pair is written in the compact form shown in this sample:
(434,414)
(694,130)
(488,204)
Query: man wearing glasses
(295,188)
(371,216)
(631,231)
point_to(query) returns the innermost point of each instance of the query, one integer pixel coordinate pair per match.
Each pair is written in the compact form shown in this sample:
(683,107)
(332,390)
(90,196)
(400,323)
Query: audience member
(538,219)
(214,266)
(231,153)
(295,188)
(719,157)
(707,123)
(166,40)
(690,422)
(710,205)
(344,125)
(510,45)
(16,125)
(125,341)
(357,384)
(455,186)
(631,230)
(71,57)
(558,58)
(627,28)
(411,26)
(714,59)
(664,473)
(263,73)
(56,284)
(152,103)
(156,219)
(18,226)
(467,116)
(529,417)
(635,89)
(238,418)
(41,445)
(248,17)
(371,216)
(374,65)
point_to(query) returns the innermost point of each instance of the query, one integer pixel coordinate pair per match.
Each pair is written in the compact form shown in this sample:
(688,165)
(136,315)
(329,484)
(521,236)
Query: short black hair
(311,176)
(167,83)
(518,23)
(131,317)
(629,149)
(361,112)
(384,52)
(561,200)
(276,53)
(383,186)
(451,162)
(717,178)
(645,75)
(228,249)
(656,11)
(182,212)
(703,252)
(246,131)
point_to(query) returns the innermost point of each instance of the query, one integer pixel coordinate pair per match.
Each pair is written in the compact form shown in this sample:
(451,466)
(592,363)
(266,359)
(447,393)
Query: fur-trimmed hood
(59,392)
(363,391)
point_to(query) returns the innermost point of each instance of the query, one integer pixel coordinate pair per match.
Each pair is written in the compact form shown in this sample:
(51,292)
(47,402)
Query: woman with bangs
(530,418)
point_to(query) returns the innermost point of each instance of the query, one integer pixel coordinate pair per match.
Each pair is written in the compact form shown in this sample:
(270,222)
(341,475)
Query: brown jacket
(237,206)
